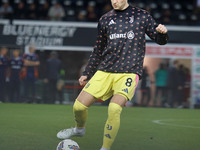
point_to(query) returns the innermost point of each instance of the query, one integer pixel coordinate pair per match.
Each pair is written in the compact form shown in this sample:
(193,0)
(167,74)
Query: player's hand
(1,63)
(83,80)
(161,29)
(26,62)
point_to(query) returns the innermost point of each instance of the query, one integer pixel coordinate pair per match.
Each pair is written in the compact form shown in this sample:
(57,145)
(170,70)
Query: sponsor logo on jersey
(87,86)
(131,19)
(111,22)
(130,35)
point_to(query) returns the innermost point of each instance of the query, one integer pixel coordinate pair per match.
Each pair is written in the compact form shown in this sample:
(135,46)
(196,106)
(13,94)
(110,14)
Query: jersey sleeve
(96,56)
(151,25)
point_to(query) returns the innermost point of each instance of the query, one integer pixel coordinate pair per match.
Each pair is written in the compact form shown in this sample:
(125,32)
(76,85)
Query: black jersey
(120,45)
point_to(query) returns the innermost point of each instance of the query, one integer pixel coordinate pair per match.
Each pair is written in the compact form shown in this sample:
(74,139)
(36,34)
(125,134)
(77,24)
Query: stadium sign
(42,33)
(38,35)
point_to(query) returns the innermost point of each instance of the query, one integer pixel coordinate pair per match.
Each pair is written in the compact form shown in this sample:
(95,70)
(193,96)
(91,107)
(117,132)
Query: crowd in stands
(170,12)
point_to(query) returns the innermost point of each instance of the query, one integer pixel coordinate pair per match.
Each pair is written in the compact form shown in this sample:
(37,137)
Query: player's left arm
(156,32)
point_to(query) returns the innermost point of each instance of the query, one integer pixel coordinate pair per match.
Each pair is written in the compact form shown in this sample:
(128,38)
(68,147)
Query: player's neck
(123,9)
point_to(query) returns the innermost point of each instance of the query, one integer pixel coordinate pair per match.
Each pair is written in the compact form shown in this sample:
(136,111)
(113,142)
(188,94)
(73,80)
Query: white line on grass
(171,124)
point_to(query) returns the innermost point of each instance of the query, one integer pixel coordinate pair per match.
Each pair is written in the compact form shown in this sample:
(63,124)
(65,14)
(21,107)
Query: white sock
(104,149)
(79,130)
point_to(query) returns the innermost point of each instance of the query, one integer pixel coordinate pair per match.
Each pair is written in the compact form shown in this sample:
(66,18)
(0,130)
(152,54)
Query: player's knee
(78,106)
(114,111)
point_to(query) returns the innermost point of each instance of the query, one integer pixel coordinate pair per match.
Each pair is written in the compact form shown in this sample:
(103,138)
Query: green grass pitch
(34,127)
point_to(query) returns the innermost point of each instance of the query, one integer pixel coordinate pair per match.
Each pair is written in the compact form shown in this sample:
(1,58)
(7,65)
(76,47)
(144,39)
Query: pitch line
(160,122)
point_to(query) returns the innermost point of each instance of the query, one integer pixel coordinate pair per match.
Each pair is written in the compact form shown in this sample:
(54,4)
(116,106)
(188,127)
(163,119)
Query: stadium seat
(180,10)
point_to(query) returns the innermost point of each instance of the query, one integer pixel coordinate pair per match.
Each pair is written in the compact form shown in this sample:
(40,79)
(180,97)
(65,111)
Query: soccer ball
(68,145)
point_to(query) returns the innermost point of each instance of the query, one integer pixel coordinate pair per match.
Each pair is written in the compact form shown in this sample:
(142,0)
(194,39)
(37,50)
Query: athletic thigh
(86,98)
(119,99)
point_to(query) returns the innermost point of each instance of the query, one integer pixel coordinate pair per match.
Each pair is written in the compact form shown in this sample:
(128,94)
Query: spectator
(145,88)
(181,83)
(32,12)
(106,8)
(167,16)
(53,70)
(198,4)
(3,72)
(82,16)
(6,11)
(161,83)
(172,84)
(16,64)
(43,11)
(60,86)
(91,13)
(56,12)
(20,12)
(187,85)
(30,74)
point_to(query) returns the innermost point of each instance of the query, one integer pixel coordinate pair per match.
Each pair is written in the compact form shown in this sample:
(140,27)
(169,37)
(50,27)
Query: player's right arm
(29,62)
(96,56)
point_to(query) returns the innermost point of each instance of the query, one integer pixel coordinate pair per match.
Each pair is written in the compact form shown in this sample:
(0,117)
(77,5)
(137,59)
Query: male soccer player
(16,64)
(31,62)
(3,72)
(118,59)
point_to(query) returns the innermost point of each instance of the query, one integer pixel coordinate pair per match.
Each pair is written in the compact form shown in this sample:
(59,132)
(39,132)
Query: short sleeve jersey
(4,64)
(30,69)
(16,65)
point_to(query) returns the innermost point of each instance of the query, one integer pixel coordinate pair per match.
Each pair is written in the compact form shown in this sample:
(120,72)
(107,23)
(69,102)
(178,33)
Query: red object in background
(99,100)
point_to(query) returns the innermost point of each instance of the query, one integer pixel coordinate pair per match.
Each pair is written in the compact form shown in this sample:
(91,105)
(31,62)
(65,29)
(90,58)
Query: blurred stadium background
(66,30)
(68,27)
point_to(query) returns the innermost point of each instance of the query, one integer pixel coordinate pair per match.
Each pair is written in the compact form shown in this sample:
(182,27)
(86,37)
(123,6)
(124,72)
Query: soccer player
(3,72)
(16,64)
(31,62)
(117,64)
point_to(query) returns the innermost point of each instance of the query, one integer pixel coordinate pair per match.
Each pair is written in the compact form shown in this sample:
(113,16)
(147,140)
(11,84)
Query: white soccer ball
(68,145)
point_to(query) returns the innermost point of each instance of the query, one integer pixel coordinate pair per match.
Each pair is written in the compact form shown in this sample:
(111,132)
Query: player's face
(4,51)
(119,4)
(32,49)
(16,53)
